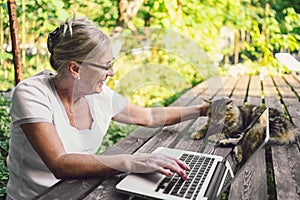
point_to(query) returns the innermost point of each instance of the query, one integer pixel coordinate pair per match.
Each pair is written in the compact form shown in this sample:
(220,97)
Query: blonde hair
(76,39)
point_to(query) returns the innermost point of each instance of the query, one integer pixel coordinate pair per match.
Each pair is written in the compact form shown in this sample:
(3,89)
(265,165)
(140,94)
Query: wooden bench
(273,174)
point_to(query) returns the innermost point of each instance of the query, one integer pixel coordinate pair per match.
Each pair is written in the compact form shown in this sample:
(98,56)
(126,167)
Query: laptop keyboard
(190,187)
(227,180)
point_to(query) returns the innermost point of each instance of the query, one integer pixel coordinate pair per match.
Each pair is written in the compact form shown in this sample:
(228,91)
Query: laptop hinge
(212,190)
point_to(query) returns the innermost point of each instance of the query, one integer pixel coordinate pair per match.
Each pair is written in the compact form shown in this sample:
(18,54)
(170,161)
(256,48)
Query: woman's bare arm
(160,116)
(46,142)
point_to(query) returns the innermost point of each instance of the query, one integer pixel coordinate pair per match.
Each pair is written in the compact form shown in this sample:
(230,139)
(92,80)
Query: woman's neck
(65,90)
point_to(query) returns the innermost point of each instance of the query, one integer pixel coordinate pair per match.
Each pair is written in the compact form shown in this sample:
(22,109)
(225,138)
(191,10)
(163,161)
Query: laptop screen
(255,137)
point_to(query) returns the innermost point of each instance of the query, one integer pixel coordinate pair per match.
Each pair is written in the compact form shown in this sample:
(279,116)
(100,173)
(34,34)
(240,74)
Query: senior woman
(58,119)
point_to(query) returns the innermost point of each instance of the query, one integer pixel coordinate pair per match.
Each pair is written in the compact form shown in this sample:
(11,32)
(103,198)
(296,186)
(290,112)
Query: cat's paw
(238,154)
(197,135)
(216,138)
(229,142)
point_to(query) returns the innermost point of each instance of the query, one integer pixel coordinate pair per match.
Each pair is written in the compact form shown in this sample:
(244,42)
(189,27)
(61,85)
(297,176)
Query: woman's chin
(98,88)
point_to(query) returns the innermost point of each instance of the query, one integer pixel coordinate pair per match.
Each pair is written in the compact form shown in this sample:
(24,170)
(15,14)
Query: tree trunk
(237,47)
(12,12)
(127,10)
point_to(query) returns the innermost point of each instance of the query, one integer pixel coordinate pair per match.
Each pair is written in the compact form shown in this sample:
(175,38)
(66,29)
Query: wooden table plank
(292,103)
(199,92)
(286,175)
(107,191)
(289,97)
(228,87)
(294,82)
(255,91)
(186,142)
(258,191)
(294,111)
(62,189)
(271,100)
(240,91)
(283,178)
(297,78)
(213,86)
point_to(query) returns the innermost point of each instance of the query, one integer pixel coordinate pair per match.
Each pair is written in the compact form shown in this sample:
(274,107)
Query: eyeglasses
(107,67)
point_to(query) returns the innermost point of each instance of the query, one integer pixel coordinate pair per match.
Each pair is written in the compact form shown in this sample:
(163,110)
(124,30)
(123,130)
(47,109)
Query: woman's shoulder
(35,85)
(39,80)
(32,99)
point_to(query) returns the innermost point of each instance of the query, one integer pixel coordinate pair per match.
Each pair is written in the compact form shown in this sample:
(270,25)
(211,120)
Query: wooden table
(273,174)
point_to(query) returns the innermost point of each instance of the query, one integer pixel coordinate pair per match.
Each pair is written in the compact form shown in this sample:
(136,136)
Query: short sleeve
(30,104)
(108,103)
(118,102)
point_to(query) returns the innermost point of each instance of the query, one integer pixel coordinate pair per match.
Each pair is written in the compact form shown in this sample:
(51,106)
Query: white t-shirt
(36,100)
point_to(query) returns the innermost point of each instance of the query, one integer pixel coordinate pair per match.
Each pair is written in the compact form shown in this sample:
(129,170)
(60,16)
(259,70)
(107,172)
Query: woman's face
(94,75)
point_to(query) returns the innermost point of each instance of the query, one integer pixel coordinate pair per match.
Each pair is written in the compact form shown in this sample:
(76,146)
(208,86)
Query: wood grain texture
(240,91)
(70,189)
(286,175)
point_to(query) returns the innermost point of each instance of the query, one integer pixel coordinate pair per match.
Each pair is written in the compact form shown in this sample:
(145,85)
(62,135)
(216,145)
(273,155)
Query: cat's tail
(290,136)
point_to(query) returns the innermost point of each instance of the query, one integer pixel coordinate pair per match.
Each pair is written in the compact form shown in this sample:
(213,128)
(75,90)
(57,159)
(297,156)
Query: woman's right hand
(146,163)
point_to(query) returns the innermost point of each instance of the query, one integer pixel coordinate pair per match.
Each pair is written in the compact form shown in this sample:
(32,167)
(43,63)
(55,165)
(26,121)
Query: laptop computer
(209,176)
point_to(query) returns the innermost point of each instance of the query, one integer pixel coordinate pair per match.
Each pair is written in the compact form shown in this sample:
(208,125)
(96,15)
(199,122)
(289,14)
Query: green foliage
(274,37)
(4,141)
(150,76)
(6,72)
(269,29)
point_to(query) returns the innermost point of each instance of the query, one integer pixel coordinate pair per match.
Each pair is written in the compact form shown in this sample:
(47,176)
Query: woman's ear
(74,69)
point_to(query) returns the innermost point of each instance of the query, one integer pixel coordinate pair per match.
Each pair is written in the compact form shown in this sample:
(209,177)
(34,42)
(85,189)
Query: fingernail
(182,173)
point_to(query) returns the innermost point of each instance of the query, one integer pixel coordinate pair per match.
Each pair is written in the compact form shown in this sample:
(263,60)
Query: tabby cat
(230,121)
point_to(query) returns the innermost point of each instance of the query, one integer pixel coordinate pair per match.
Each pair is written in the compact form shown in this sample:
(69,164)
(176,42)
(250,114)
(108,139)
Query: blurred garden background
(237,37)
